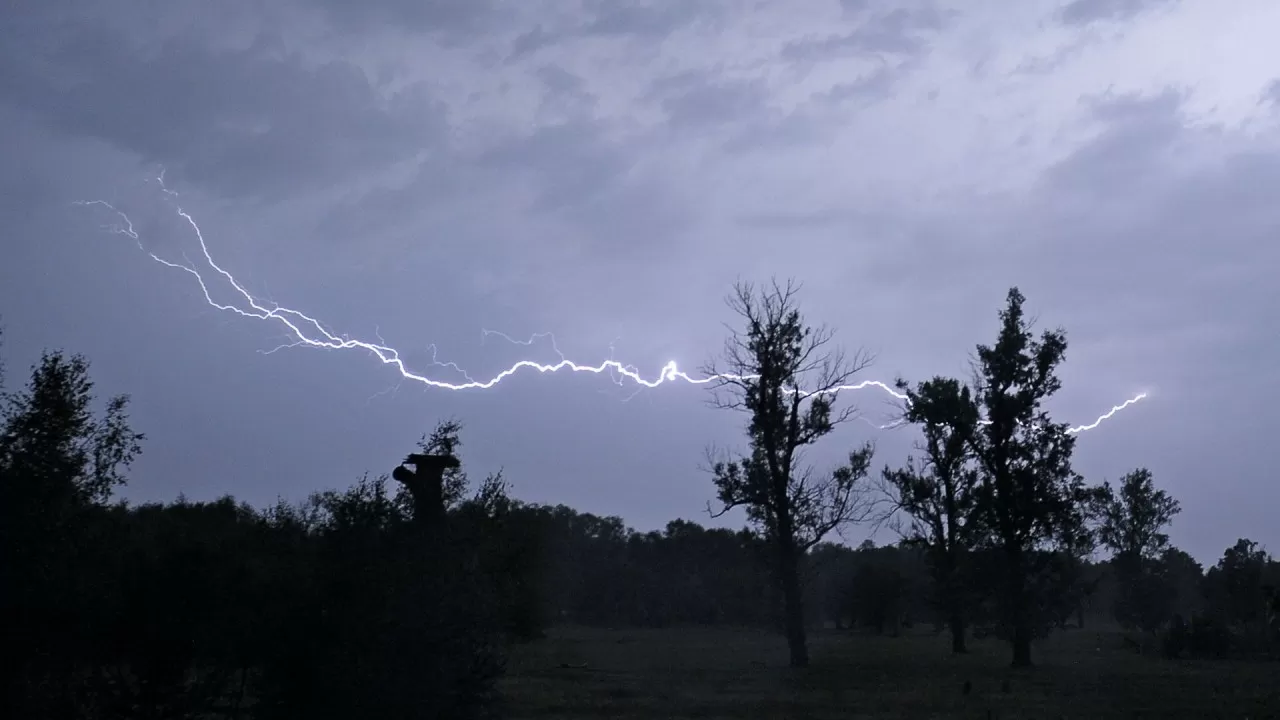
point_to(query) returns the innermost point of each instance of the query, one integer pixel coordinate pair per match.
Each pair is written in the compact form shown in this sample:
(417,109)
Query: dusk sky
(421,171)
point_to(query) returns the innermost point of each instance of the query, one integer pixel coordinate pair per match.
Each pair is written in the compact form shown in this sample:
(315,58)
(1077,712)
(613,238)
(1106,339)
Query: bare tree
(786,375)
(939,497)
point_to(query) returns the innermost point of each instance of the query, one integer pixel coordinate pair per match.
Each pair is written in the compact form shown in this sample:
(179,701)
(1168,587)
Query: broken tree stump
(425,484)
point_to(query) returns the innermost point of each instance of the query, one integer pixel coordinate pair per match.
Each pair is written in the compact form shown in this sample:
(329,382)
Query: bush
(1209,637)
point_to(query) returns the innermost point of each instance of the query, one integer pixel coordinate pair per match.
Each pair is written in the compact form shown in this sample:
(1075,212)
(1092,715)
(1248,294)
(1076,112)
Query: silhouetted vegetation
(422,594)
(940,496)
(998,476)
(785,376)
(1131,524)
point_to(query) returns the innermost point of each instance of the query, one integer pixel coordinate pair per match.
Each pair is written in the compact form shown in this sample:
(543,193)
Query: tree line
(1004,522)
(359,600)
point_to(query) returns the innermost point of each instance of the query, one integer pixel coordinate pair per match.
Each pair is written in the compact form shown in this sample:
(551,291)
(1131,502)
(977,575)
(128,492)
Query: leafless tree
(787,376)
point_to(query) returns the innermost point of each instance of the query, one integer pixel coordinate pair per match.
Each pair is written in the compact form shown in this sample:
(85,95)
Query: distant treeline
(197,607)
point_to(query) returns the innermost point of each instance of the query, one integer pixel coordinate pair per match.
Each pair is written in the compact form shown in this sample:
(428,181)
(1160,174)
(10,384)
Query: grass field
(724,673)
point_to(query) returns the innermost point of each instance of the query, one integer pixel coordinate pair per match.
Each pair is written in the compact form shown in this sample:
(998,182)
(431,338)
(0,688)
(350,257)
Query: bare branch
(787,376)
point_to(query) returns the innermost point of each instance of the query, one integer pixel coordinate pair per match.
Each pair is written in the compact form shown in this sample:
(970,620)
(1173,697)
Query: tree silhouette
(1029,497)
(52,438)
(1133,518)
(58,462)
(939,497)
(387,620)
(1131,523)
(783,373)
(1235,584)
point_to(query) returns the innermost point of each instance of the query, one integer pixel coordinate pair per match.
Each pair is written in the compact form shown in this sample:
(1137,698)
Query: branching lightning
(307,331)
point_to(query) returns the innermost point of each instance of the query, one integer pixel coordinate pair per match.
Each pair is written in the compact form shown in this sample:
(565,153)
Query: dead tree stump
(425,484)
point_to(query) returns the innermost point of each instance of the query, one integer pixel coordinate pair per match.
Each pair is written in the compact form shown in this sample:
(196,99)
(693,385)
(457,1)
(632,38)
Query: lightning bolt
(1107,415)
(308,332)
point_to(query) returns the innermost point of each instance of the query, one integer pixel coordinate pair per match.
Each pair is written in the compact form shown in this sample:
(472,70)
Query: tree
(1029,497)
(939,497)
(783,373)
(879,593)
(59,461)
(1234,586)
(51,438)
(185,611)
(1186,579)
(1131,523)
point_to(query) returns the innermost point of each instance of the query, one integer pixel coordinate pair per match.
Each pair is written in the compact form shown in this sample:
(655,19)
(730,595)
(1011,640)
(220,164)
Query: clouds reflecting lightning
(307,331)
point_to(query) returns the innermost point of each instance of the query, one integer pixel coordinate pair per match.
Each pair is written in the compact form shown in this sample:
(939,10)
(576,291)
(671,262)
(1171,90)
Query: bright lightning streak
(1107,415)
(309,332)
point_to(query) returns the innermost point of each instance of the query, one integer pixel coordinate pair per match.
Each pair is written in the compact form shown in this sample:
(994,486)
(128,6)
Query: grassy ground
(723,673)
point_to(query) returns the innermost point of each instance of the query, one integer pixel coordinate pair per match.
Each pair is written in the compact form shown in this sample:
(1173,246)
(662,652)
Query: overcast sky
(421,171)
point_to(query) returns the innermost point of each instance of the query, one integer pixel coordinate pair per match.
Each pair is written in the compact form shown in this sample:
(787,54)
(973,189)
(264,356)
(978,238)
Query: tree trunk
(1021,612)
(1021,645)
(957,633)
(793,606)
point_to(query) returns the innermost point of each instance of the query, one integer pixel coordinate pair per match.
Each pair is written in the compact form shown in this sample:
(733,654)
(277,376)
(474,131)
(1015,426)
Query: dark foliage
(939,497)
(330,609)
(998,475)
(1131,523)
(1031,501)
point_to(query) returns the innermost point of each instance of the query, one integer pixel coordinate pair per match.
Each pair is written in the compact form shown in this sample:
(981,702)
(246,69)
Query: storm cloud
(604,171)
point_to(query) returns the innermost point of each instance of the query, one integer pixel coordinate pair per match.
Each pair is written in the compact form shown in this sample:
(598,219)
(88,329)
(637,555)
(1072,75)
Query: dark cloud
(852,8)
(872,86)
(607,183)
(648,19)
(640,21)
(795,220)
(1126,154)
(242,123)
(569,188)
(900,31)
(563,166)
(1272,93)
(699,99)
(1083,12)
(456,21)
(565,91)
(736,115)
(451,21)
(531,41)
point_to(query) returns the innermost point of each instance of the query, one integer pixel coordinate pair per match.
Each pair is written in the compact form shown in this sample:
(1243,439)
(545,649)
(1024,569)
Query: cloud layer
(605,170)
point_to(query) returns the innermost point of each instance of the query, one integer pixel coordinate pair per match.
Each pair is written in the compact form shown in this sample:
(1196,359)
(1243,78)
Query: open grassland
(724,673)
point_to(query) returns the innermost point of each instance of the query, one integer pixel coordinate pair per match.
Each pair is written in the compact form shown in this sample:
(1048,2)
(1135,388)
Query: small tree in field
(783,374)
(1029,497)
(1131,523)
(1133,518)
(939,495)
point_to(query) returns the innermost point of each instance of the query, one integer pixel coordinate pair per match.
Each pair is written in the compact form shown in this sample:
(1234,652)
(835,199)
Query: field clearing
(724,673)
